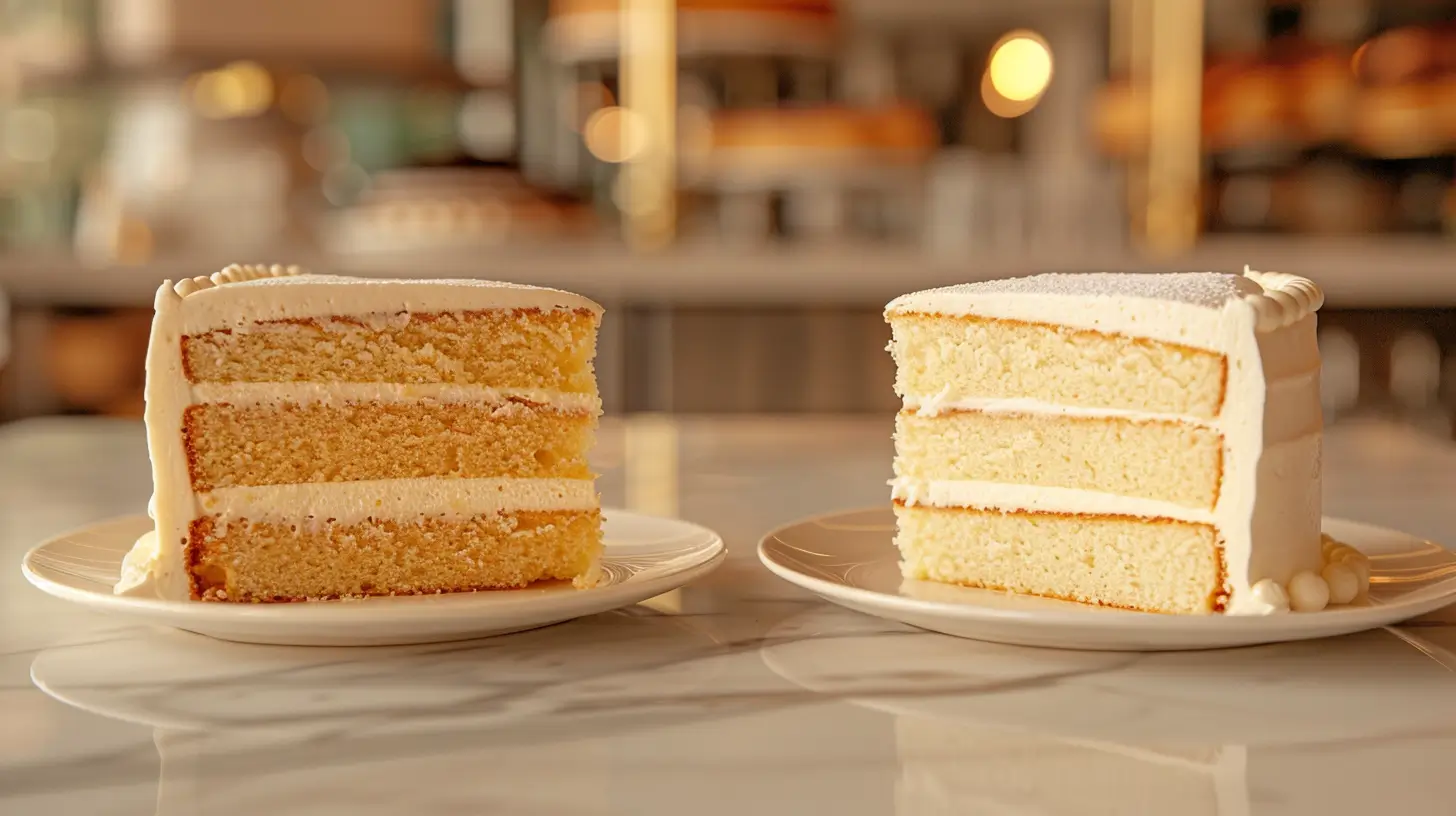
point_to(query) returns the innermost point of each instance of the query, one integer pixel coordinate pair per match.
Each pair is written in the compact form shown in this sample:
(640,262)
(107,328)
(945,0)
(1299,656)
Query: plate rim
(449,606)
(1074,619)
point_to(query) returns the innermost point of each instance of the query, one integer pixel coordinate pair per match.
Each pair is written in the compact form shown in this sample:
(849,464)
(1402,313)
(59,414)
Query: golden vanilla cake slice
(317,437)
(1143,441)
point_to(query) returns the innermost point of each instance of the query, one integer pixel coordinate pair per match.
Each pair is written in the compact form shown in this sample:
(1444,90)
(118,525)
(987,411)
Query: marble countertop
(737,694)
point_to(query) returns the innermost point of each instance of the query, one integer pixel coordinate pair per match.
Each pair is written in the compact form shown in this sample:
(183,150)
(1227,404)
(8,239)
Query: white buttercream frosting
(1267,597)
(1268,514)
(1180,307)
(251,295)
(1286,411)
(139,568)
(239,297)
(328,393)
(1006,496)
(353,502)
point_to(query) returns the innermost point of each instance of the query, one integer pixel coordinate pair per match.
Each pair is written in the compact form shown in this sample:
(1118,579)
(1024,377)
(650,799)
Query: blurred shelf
(1384,272)
(391,73)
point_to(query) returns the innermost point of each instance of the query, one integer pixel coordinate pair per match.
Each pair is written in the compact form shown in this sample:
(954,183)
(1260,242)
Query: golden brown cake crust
(280,562)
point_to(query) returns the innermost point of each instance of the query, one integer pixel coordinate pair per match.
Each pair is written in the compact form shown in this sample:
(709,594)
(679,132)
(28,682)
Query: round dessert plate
(850,559)
(644,557)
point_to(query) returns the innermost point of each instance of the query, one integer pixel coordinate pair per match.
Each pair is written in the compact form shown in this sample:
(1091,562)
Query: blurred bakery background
(743,183)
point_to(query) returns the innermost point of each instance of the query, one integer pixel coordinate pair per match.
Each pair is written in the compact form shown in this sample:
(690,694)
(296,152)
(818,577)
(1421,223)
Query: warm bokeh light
(236,90)
(615,134)
(1000,105)
(1021,66)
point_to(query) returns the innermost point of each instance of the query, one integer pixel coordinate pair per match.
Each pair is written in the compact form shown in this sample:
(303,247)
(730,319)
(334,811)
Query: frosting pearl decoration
(1308,592)
(1343,579)
(1343,582)
(1270,596)
(1361,568)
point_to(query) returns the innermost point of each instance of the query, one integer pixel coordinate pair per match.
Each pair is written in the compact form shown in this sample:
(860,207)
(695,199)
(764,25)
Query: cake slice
(1150,442)
(319,437)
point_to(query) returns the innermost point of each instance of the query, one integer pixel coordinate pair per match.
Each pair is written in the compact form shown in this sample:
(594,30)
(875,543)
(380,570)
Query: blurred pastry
(1397,121)
(590,29)
(95,360)
(1399,56)
(444,208)
(1324,96)
(1443,104)
(1247,105)
(776,143)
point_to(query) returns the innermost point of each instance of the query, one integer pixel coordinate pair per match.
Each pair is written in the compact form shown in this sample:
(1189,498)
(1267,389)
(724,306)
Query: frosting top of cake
(1193,308)
(248,293)
(1208,289)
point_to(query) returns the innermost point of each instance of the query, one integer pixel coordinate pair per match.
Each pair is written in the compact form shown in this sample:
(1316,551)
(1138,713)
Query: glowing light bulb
(1021,67)
(614,134)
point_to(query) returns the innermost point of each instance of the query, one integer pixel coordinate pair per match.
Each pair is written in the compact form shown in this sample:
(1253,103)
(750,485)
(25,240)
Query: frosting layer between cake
(306,393)
(350,502)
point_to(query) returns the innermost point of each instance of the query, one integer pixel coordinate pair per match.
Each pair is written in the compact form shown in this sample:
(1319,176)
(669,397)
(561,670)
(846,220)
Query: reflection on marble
(1293,728)
(736,694)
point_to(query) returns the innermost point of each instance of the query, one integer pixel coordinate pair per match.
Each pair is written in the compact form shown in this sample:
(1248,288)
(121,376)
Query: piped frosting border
(1286,300)
(234,273)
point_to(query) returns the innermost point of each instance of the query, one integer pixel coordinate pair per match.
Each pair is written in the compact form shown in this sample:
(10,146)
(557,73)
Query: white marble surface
(739,694)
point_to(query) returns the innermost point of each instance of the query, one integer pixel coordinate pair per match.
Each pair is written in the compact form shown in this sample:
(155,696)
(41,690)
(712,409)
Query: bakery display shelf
(1386,272)
(596,37)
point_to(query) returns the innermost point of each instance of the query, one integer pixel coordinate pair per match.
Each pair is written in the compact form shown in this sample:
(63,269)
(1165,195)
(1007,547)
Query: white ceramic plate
(644,557)
(850,559)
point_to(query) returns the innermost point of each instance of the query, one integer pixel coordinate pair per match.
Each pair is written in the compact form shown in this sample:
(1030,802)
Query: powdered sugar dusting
(1208,289)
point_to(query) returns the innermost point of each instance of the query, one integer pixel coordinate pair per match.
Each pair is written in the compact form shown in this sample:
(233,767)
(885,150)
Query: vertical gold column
(1129,57)
(1175,90)
(649,91)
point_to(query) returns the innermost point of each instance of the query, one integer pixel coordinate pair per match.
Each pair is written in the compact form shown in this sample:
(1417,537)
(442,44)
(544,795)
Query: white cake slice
(1150,442)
